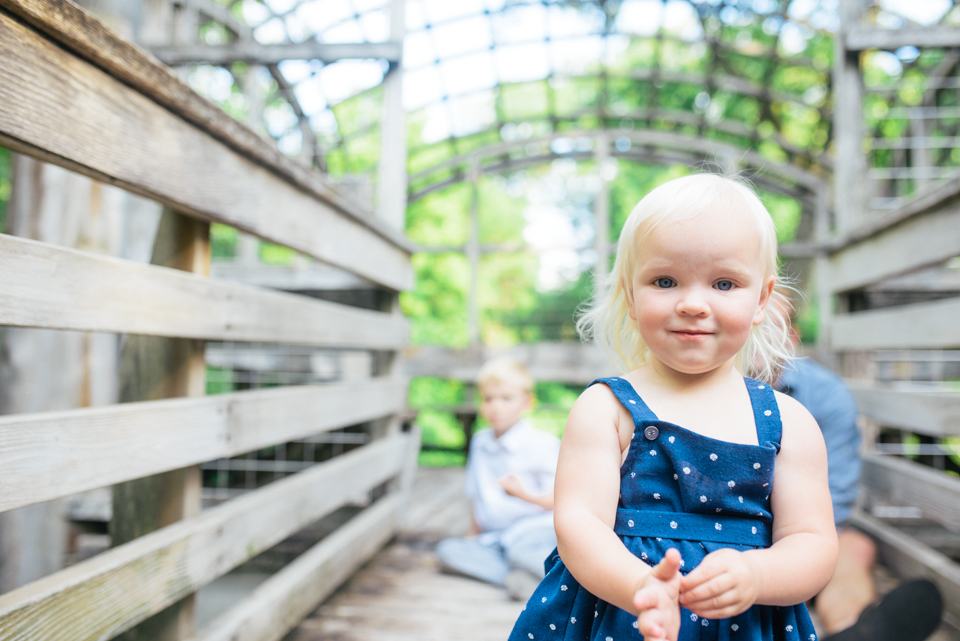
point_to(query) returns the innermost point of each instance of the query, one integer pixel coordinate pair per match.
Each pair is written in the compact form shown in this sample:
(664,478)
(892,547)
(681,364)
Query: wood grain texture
(118,135)
(51,287)
(66,24)
(918,326)
(289,595)
(911,244)
(909,558)
(100,598)
(895,481)
(54,454)
(930,413)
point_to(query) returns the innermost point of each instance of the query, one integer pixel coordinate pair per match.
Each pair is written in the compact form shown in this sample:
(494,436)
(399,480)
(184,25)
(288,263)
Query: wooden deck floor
(402,596)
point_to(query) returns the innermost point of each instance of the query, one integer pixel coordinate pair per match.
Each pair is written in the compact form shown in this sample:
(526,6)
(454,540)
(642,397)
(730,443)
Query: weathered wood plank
(256,53)
(930,237)
(120,136)
(909,558)
(54,454)
(860,38)
(903,482)
(52,287)
(920,326)
(930,413)
(100,598)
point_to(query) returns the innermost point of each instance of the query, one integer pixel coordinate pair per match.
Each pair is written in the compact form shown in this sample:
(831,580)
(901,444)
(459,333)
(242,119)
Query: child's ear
(628,294)
(765,293)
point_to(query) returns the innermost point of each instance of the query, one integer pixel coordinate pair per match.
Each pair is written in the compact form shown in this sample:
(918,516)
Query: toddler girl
(672,520)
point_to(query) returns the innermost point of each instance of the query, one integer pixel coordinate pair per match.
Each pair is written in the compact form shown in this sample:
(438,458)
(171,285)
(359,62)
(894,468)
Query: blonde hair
(607,320)
(506,371)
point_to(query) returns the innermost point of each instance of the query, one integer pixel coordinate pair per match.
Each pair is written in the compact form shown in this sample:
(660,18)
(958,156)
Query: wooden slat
(61,109)
(906,483)
(921,326)
(256,53)
(923,233)
(54,454)
(52,287)
(930,413)
(100,598)
(909,558)
(288,596)
(860,38)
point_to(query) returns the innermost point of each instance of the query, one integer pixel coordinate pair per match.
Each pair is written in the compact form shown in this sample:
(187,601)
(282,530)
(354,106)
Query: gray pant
(490,560)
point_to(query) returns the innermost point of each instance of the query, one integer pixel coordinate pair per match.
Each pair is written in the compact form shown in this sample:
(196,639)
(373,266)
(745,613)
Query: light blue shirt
(827,398)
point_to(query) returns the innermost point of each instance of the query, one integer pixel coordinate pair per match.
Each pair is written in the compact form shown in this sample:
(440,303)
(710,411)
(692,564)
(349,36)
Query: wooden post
(392,186)
(153,368)
(850,167)
(601,211)
(473,255)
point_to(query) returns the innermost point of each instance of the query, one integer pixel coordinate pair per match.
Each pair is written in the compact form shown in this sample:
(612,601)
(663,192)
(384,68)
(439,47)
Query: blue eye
(724,285)
(665,283)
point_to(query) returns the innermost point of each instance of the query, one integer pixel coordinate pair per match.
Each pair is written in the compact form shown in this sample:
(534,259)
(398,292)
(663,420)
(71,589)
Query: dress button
(651,433)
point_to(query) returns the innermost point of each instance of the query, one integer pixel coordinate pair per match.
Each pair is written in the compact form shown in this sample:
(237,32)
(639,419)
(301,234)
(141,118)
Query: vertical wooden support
(473,255)
(152,368)
(601,211)
(821,276)
(392,172)
(850,168)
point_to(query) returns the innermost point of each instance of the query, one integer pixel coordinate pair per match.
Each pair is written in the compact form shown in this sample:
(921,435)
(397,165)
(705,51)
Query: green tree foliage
(5,187)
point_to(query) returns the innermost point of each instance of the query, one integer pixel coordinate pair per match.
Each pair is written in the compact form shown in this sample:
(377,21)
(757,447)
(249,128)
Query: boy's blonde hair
(607,320)
(507,371)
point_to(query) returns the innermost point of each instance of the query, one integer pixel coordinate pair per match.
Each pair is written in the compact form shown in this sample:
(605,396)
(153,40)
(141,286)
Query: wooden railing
(74,94)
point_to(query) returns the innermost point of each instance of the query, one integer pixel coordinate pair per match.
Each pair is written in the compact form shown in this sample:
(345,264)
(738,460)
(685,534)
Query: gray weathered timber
(895,481)
(926,238)
(860,38)
(54,454)
(51,287)
(919,326)
(109,593)
(256,53)
(74,29)
(120,136)
(909,558)
(288,596)
(930,413)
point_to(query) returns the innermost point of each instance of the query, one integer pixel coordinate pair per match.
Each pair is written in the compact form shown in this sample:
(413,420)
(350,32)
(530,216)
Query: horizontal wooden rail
(861,38)
(930,237)
(905,483)
(909,558)
(53,287)
(920,326)
(256,53)
(54,454)
(930,413)
(101,597)
(62,109)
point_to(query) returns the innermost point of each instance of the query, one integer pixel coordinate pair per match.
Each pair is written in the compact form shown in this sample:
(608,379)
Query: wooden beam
(113,591)
(58,288)
(903,482)
(121,136)
(919,326)
(54,454)
(260,54)
(930,413)
(860,38)
(909,559)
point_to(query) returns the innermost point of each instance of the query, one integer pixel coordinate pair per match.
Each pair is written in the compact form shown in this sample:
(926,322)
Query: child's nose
(693,303)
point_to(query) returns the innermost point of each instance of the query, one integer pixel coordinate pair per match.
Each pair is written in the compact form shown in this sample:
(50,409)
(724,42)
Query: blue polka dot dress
(680,490)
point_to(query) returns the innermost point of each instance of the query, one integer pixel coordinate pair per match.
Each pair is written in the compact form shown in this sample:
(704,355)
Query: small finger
(668,566)
(706,590)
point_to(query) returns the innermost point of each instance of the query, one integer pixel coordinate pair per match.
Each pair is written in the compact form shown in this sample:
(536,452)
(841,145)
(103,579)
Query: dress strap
(766,413)
(629,398)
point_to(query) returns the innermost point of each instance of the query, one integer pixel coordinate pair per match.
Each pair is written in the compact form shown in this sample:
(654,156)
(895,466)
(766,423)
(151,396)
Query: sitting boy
(510,472)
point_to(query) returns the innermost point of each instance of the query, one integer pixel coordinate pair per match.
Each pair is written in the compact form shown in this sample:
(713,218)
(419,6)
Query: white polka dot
(609,638)
(704,622)
(767,412)
(673,524)
(635,626)
(543,600)
(530,634)
(693,617)
(630,522)
(703,498)
(719,509)
(595,614)
(563,588)
(682,563)
(734,627)
(741,498)
(713,457)
(762,387)
(643,555)
(730,483)
(633,402)
(813,637)
(671,439)
(686,470)
(553,627)
(717,526)
(765,484)
(573,619)
(789,628)
(653,452)
(756,466)
(656,495)
(754,530)
(675,477)
(633,475)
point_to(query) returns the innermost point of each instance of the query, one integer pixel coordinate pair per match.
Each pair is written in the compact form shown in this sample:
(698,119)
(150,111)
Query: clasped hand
(724,584)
